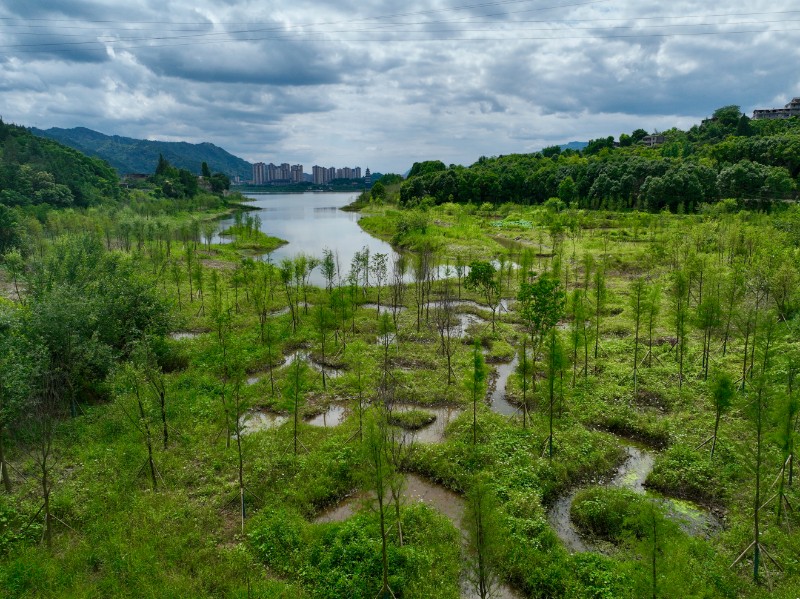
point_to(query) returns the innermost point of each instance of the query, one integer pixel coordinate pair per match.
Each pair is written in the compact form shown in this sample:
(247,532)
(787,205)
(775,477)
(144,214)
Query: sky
(383,84)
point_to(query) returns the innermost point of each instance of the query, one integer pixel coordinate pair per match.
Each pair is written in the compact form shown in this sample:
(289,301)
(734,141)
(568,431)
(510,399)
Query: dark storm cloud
(269,63)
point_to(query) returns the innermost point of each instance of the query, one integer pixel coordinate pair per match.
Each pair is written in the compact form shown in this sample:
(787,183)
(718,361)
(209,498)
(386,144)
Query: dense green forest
(128,155)
(727,156)
(590,403)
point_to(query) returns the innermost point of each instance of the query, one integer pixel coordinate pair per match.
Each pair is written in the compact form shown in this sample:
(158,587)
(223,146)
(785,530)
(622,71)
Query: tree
(205,171)
(481,278)
(567,190)
(385,331)
(542,306)
(294,391)
(599,288)
(18,364)
(41,421)
(709,318)
(475,385)
(443,317)
(652,309)
(638,295)
(378,474)
(555,363)
(378,192)
(130,382)
(379,269)
(680,290)
(15,266)
(578,329)
(356,355)
(523,369)
(758,408)
(483,536)
(9,229)
(328,267)
(324,322)
(723,389)
(787,416)
(146,361)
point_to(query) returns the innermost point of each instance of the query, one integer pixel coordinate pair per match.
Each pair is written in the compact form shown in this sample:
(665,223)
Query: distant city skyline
(294,173)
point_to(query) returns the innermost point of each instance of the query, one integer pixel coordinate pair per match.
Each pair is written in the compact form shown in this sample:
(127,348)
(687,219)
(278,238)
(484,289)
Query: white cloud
(372,84)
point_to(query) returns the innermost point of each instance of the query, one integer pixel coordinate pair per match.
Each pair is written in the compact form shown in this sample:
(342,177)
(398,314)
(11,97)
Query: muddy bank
(632,474)
(420,490)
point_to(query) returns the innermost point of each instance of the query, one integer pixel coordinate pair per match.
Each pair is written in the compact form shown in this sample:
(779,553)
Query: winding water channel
(312,223)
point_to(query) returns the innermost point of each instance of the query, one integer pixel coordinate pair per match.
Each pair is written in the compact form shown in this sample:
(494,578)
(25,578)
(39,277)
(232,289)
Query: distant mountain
(574,145)
(128,155)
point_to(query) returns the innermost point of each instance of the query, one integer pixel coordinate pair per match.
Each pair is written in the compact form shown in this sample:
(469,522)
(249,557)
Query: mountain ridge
(131,155)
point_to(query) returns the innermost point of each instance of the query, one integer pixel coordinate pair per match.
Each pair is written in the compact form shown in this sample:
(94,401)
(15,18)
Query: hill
(728,156)
(34,170)
(129,155)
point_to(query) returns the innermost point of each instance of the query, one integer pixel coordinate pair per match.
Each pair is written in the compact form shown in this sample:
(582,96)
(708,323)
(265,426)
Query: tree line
(727,156)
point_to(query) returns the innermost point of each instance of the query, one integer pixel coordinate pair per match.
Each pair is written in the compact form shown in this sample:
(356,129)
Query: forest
(726,156)
(526,399)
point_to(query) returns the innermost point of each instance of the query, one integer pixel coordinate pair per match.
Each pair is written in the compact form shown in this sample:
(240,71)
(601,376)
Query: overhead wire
(420,31)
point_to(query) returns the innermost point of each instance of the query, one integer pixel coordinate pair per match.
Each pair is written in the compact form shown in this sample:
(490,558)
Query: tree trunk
(716,428)
(4,464)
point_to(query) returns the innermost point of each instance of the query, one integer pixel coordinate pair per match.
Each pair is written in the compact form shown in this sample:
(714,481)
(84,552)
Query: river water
(311,223)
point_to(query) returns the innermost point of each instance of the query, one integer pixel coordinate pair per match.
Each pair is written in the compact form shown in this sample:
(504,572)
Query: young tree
(144,358)
(475,385)
(758,408)
(708,319)
(555,363)
(398,285)
(541,307)
(294,391)
(18,368)
(523,369)
(41,421)
(482,278)
(637,298)
(723,391)
(788,413)
(328,267)
(483,537)
(357,359)
(578,328)
(680,290)
(130,381)
(323,322)
(379,269)
(287,269)
(177,278)
(378,474)
(652,309)
(443,316)
(385,331)
(599,288)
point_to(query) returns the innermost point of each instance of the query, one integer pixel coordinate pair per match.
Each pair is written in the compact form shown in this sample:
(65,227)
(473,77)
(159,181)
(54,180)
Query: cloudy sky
(382,84)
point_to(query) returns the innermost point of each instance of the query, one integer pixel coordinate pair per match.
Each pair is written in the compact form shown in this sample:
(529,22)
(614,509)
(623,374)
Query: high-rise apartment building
(286,173)
(259,173)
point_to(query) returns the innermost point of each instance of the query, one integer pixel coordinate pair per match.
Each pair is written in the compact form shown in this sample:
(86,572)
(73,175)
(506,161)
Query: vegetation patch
(603,512)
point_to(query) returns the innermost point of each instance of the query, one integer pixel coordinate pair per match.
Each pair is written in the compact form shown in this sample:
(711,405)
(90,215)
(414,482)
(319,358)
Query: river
(311,223)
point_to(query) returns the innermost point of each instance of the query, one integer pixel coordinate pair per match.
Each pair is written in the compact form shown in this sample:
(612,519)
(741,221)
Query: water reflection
(295,217)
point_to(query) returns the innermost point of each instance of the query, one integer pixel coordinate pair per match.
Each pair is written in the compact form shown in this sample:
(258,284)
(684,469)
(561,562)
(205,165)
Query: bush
(684,472)
(602,512)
